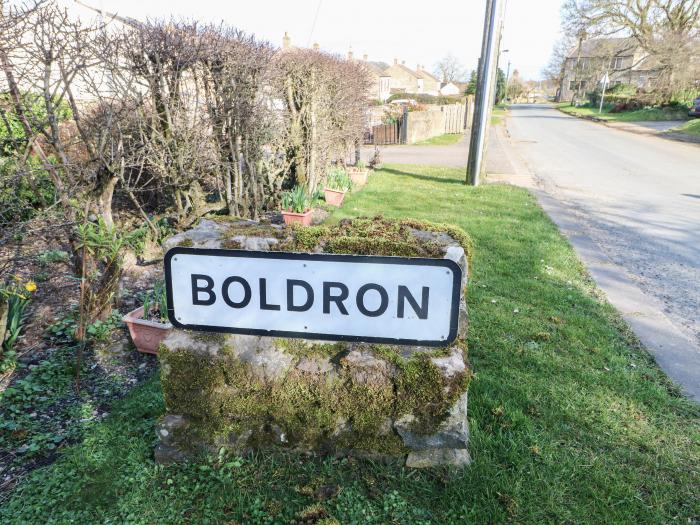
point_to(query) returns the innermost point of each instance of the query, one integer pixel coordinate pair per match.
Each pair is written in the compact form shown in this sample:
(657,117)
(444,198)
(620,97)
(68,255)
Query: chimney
(364,57)
(316,46)
(418,66)
(403,62)
(396,61)
(286,41)
(350,54)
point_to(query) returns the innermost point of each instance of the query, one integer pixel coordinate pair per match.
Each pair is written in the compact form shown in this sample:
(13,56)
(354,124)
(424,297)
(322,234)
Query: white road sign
(397,300)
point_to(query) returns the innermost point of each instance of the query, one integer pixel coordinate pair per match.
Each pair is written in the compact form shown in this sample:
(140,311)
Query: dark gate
(383,134)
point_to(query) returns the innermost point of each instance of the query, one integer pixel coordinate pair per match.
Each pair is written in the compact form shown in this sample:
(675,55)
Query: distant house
(381,81)
(427,83)
(452,88)
(622,59)
(403,79)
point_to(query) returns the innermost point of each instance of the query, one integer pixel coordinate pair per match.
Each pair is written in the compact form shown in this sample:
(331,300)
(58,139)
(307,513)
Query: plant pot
(358,176)
(333,197)
(146,335)
(302,218)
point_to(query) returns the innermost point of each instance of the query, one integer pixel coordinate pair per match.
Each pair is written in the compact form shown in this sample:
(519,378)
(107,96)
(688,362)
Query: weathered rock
(438,456)
(166,454)
(452,433)
(242,392)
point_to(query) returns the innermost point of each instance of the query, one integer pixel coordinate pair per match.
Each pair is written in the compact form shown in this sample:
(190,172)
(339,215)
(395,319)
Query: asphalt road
(636,196)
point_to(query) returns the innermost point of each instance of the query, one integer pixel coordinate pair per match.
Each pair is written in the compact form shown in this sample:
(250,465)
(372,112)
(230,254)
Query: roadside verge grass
(625,116)
(571,422)
(692,127)
(441,140)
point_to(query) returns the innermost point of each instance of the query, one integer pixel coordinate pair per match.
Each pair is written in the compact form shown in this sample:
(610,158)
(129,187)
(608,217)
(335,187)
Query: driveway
(636,200)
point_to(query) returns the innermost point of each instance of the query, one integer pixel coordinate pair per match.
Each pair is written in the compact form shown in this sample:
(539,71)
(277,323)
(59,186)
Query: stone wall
(247,392)
(435,121)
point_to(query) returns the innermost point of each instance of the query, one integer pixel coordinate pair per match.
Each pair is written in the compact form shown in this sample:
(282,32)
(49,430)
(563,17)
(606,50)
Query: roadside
(570,420)
(672,124)
(598,235)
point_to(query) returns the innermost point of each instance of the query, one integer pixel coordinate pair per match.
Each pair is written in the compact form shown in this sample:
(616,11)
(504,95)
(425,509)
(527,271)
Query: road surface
(636,197)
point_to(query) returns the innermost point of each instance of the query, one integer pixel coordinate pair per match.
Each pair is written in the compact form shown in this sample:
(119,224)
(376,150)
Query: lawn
(441,140)
(692,127)
(625,116)
(571,421)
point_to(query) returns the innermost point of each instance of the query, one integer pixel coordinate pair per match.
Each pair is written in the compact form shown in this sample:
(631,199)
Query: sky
(419,32)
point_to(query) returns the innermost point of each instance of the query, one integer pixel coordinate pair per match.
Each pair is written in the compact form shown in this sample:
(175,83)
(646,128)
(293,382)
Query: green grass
(441,140)
(498,113)
(571,422)
(692,127)
(625,116)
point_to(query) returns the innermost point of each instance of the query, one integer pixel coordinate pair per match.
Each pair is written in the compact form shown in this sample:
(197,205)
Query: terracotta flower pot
(358,176)
(333,197)
(146,335)
(302,218)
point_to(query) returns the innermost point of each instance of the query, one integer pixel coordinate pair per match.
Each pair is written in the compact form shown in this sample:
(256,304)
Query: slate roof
(378,68)
(597,47)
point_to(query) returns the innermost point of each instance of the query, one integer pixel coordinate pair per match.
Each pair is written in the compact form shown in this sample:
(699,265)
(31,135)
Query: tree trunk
(104,199)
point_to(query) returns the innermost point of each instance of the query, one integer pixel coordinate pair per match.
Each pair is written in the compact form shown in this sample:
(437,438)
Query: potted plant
(148,324)
(295,206)
(359,173)
(337,184)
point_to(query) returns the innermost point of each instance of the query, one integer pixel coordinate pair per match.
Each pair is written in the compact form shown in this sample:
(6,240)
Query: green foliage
(621,115)
(156,302)
(296,200)
(12,135)
(500,86)
(63,330)
(338,179)
(471,86)
(52,256)
(23,191)
(105,243)
(16,298)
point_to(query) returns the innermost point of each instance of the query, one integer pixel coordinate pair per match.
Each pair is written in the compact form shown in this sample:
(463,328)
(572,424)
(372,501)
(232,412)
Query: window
(617,62)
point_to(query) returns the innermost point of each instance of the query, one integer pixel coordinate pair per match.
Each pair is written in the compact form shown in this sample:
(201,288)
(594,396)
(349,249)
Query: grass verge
(692,127)
(625,116)
(571,421)
(498,113)
(441,140)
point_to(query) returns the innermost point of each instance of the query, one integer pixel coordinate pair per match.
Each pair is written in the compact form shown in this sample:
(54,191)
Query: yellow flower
(30,286)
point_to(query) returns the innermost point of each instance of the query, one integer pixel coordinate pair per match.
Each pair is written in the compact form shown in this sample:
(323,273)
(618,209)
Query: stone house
(427,83)
(403,79)
(380,79)
(622,59)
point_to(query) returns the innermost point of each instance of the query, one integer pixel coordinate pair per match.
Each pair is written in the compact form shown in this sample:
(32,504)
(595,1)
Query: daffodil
(30,286)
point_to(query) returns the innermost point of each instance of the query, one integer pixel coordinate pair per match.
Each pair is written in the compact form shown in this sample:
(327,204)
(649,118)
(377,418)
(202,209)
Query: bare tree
(449,69)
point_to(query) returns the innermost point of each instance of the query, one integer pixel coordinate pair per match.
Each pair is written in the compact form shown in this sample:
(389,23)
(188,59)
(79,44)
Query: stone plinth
(247,392)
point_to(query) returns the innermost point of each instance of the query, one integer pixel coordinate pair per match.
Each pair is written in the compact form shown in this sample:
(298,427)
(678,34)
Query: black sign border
(301,256)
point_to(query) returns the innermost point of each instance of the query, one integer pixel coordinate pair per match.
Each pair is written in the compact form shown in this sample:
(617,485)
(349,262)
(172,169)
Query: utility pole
(507,78)
(485,89)
(606,79)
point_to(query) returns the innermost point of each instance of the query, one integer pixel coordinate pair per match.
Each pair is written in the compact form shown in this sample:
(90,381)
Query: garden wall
(435,121)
